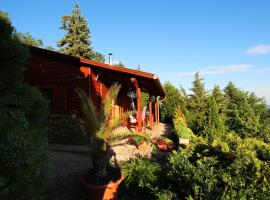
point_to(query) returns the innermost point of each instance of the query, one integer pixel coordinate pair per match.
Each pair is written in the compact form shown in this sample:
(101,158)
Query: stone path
(70,162)
(125,151)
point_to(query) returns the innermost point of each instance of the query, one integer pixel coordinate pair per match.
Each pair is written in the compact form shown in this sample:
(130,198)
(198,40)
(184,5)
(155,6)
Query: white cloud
(191,73)
(219,70)
(264,70)
(226,69)
(259,50)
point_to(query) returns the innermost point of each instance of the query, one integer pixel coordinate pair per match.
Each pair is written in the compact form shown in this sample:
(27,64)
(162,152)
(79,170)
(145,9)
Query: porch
(58,75)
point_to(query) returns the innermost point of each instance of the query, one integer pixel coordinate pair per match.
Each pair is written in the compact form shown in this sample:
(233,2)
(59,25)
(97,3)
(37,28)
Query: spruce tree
(218,96)
(197,104)
(214,125)
(240,116)
(76,41)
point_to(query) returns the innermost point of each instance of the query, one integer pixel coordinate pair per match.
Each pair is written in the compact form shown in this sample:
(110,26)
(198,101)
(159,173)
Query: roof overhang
(149,81)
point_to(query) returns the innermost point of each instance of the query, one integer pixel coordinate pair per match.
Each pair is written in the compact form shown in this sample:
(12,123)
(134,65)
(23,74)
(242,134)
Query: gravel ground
(67,168)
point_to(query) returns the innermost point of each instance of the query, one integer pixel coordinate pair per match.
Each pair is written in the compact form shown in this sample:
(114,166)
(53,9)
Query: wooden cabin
(57,75)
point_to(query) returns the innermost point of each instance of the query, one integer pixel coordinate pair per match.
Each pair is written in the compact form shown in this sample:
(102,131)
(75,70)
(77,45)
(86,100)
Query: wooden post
(150,112)
(139,110)
(156,110)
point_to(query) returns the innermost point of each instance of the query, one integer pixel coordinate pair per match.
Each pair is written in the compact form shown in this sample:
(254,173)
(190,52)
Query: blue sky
(224,40)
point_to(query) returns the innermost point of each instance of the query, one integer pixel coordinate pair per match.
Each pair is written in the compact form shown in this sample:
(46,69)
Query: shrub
(165,195)
(23,113)
(142,173)
(180,126)
(137,139)
(65,129)
(225,168)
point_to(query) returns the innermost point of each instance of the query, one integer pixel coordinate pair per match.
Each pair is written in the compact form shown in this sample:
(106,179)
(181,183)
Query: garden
(219,147)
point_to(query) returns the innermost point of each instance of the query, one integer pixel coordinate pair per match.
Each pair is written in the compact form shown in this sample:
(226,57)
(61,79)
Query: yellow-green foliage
(180,126)
(224,168)
(223,146)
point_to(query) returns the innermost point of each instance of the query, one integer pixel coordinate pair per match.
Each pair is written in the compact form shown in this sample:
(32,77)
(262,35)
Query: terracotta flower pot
(162,147)
(102,192)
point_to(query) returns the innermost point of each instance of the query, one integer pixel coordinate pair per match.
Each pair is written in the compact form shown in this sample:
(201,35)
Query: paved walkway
(124,151)
(70,162)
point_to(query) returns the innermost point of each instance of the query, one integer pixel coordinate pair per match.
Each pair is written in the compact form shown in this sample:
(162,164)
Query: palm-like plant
(99,127)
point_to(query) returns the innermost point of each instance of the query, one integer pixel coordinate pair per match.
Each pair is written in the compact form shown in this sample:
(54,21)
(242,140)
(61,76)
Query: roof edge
(102,65)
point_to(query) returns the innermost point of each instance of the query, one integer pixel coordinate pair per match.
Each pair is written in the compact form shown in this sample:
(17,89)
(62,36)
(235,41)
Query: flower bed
(163,144)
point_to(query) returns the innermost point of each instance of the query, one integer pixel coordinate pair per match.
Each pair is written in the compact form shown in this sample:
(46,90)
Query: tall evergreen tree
(173,100)
(76,41)
(241,117)
(218,96)
(29,40)
(260,108)
(197,104)
(214,125)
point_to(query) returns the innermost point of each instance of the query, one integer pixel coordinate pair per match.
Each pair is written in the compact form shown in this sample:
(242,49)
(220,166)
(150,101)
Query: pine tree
(214,125)
(197,104)
(76,41)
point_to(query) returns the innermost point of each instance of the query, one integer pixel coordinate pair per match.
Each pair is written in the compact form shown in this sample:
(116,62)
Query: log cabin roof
(148,81)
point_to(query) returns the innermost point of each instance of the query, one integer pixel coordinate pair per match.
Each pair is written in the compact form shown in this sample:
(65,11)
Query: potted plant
(163,144)
(103,179)
(140,141)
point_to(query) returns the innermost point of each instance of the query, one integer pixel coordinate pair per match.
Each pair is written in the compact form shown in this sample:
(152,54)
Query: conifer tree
(218,96)
(26,38)
(241,117)
(214,125)
(76,41)
(173,100)
(197,104)
(220,100)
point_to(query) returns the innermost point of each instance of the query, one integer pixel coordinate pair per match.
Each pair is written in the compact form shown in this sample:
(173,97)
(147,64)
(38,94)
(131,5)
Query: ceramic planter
(102,192)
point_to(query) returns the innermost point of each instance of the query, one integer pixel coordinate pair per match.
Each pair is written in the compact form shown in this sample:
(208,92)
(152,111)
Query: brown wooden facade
(57,75)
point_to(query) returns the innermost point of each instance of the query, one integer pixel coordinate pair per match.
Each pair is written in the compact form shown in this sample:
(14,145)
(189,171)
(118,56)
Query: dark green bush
(65,129)
(148,177)
(23,114)
(142,173)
